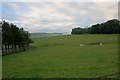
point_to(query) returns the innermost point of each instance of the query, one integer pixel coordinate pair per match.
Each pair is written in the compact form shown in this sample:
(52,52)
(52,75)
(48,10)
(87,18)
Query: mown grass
(62,57)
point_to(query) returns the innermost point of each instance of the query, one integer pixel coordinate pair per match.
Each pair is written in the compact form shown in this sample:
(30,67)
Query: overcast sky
(57,16)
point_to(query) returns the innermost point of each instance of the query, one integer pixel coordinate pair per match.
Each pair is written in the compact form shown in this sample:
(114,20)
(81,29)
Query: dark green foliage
(109,27)
(13,38)
(79,31)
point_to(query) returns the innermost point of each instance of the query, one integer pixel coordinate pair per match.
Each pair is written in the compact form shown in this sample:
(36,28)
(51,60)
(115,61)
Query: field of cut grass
(63,57)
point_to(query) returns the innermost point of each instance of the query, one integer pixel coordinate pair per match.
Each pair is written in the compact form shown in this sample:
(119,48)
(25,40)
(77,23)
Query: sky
(57,16)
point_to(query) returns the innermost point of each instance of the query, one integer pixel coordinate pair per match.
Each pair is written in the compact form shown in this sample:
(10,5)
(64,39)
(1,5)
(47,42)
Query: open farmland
(63,57)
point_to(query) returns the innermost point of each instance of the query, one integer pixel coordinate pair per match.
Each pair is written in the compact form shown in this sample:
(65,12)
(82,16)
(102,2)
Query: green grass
(62,57)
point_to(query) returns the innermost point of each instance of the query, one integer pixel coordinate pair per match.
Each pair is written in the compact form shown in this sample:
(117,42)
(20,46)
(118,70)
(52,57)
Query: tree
(79,31)
(14,38)
(109,27)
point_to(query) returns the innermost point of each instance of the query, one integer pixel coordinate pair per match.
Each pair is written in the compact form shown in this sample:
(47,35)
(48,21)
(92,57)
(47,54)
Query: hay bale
(81,44)
(101,43)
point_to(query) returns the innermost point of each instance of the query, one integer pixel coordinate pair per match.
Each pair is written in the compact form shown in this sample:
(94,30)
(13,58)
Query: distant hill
(39,35)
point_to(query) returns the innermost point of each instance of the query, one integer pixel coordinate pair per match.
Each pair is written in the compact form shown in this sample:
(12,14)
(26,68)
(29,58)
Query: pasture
(63,57)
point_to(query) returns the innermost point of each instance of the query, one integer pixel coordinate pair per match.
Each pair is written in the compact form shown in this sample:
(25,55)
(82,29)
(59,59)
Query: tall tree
(14,37)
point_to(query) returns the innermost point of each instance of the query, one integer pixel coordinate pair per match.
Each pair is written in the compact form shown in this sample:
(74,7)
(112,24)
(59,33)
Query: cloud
(58,16)
(60,0)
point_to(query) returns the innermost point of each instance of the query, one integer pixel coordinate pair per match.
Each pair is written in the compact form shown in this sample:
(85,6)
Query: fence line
(12,50)
(107,76)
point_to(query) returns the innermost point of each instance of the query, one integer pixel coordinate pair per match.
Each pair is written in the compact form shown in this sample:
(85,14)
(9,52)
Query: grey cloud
(61,16)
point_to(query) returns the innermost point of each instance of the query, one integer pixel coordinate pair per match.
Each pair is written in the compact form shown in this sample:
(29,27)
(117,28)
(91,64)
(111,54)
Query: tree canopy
(109,27)
(14,38)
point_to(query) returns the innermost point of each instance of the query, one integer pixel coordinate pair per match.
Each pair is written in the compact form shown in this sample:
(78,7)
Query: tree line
(108,27)
(14,39)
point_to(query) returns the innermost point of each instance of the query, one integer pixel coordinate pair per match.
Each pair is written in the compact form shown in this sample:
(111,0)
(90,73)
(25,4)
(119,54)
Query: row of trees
(14,39)
(109,27)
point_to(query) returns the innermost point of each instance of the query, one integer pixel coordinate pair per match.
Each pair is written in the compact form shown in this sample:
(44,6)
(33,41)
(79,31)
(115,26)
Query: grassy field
(63,57)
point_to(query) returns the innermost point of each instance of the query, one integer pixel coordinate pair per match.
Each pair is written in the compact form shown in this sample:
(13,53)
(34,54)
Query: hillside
(63,57)
(39,35)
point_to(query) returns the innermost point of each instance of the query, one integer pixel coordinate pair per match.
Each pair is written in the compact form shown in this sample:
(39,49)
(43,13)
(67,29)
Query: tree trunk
(15,47)
(5,48)
(12,48)
(8,49)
